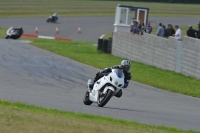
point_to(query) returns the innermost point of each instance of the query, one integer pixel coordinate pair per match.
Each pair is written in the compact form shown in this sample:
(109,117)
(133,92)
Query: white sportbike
(106,87)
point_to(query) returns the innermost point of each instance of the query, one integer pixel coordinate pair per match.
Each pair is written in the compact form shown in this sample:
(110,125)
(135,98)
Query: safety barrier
(168,54)
(105,45)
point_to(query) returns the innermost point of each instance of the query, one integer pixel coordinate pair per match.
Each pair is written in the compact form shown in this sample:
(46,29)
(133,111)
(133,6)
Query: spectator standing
(135,30)
(132,26)
(169,30)
(131,30)
(165,33)
(148,28)
(143,28)
(140,29)
(191,32)
(173,31)
(160,31)
(178,32)
(198,34)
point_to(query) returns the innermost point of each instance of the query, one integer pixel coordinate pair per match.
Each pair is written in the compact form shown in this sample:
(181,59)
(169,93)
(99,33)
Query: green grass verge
(33,8)
(3,32)
(21,118)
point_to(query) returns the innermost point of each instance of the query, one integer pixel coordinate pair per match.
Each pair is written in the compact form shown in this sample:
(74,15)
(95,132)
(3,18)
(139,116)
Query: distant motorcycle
(106,87)
(52,19)
(14,33)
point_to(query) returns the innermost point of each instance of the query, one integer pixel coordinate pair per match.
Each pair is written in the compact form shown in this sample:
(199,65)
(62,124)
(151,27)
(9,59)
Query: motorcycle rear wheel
(86,99)
(102,101)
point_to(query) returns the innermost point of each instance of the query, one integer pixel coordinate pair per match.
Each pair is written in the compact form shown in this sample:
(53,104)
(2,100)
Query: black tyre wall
(105,45)
(100,42)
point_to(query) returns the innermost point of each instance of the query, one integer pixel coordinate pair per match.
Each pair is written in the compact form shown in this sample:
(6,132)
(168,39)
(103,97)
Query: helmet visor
(126,68)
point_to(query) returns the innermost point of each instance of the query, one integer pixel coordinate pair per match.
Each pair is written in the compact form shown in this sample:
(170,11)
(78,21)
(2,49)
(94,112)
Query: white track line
(46,37)
(101,37)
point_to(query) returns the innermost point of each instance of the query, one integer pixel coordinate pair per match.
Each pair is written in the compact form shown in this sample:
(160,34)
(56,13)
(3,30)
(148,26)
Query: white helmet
(125,65)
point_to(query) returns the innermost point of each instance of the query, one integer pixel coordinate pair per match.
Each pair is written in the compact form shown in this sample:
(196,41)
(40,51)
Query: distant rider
(125,66)
(14,33)
(55,16)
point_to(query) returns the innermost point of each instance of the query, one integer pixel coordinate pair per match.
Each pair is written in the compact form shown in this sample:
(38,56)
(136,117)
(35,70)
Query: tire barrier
(109,48)
(100,42)
(105,45)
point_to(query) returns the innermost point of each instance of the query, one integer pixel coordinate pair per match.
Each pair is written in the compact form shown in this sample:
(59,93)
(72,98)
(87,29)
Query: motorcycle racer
(125,66)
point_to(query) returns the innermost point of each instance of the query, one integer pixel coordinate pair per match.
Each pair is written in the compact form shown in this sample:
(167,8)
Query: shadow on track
(120,109)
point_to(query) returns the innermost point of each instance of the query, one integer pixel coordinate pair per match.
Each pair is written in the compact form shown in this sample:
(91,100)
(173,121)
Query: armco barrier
(168,54)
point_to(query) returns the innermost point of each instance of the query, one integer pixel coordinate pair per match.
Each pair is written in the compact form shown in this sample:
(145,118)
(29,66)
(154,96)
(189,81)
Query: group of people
(140,28)
(175,31)
(163,31)
(194,33)
(170,31)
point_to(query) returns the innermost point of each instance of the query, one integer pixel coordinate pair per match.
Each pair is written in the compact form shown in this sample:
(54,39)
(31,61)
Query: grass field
(30,8)
(20,118)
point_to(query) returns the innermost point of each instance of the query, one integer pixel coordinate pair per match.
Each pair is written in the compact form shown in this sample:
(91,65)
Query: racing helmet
(125,65)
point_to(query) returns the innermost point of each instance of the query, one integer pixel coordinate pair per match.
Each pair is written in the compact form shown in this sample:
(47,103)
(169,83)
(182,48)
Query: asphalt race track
(39,77)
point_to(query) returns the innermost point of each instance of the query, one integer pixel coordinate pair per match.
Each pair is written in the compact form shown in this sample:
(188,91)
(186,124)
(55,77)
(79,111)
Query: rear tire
(106,98)
(86,99)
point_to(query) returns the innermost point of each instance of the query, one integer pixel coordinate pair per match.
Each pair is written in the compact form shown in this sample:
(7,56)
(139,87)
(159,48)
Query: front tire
(86,99)
(102,101)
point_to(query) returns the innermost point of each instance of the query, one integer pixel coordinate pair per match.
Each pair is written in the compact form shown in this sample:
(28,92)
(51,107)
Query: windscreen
(119,73)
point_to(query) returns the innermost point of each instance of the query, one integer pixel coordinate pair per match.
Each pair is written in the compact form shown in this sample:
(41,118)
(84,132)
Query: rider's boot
(91,83)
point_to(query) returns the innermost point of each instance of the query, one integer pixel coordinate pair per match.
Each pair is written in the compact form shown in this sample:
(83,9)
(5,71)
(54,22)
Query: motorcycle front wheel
(104,98)
(86,99)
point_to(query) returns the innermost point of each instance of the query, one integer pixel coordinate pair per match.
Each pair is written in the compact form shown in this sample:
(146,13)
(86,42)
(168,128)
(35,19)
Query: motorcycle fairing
(111,78)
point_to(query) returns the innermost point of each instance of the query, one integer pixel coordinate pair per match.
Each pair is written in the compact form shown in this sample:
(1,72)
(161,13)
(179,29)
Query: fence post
(178,56)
